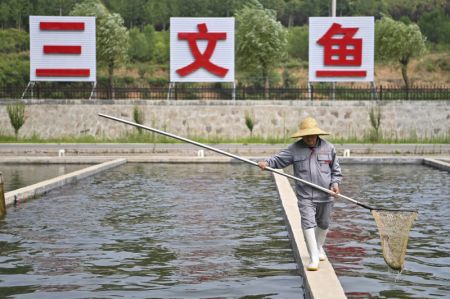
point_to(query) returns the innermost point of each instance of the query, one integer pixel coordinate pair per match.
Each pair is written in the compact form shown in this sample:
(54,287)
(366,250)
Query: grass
(147,137)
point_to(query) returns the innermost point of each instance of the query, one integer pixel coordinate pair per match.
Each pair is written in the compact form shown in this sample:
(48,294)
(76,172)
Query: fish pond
(151,231)
(202,231)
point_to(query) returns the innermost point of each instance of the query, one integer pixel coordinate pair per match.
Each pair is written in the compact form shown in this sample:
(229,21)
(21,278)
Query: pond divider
(437,164)
(43,187)
(321,284)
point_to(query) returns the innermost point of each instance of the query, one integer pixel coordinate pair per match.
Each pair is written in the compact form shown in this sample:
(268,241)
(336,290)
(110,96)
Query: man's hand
(335,189)
(262,164)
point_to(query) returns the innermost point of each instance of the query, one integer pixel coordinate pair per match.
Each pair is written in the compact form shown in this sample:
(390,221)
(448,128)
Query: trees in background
(398,42)
(138,13)
(142,43)
(148,40)
(112,35)
(261,40)
(436,26)
(298,42)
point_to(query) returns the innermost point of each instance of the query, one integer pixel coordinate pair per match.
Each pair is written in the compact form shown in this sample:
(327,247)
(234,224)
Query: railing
(219,92)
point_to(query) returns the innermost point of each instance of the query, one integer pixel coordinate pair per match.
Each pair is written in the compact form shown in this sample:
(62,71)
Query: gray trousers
(315,213)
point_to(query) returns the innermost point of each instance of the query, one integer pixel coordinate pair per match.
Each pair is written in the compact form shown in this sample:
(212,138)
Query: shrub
(16,113)
(138,117)
(249,123)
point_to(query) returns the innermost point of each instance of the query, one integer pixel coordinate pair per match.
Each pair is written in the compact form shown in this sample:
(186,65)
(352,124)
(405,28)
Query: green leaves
(398,42)
(16,113)
(261,40)
(112,35)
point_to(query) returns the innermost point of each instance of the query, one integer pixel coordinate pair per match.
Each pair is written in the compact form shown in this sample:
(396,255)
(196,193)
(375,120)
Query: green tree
(133,12)
(398,42)
(367,8)
(298,42)
(112,35)
(53,7)
(141,43)
(261,40)
(161,47)
(20,10)
(16,113)
(435,25)
(4,14)
(159,12)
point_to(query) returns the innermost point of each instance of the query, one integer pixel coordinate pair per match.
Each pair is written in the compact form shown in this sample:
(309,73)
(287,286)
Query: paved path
(114,149)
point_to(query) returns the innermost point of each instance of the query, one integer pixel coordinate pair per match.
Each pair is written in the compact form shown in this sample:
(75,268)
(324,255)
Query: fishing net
(393,227)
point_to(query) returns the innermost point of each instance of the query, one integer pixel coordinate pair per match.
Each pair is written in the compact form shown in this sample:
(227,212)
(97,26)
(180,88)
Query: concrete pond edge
(38,189)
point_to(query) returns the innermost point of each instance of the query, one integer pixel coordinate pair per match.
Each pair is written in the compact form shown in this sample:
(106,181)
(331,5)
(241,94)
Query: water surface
(16,176)
(152,231)
(354,246)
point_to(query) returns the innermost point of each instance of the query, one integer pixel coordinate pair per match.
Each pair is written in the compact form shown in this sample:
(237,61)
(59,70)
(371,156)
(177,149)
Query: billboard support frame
(29,85)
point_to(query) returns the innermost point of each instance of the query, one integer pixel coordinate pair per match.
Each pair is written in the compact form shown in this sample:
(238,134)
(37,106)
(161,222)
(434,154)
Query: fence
(221,92)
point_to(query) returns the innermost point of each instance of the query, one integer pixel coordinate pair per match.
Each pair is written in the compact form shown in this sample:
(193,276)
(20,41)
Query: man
(314,160)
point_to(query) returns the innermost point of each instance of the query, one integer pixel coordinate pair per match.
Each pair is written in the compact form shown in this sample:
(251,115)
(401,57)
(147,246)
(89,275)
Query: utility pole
(333,84)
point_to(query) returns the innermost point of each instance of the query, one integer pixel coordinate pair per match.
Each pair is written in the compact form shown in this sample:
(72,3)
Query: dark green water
(152,231)
(22,175)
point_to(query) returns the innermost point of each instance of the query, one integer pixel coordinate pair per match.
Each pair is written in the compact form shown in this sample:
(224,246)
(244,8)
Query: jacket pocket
(301,163)
(324,162)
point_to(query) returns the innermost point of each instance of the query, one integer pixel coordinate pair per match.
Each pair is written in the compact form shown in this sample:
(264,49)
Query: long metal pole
(2,198)
(234,157)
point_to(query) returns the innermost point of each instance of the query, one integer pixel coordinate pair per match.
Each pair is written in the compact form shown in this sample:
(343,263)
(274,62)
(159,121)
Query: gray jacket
(318,165)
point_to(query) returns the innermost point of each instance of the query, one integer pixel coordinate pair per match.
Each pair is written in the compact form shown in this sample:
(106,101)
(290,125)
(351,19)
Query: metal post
(169,92)
(333,84)
(373,91)
(2,198)
(233,95)
(93,91)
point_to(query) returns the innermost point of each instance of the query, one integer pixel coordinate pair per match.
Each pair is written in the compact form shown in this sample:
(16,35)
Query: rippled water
(152,231)
(22,175)
(354,247)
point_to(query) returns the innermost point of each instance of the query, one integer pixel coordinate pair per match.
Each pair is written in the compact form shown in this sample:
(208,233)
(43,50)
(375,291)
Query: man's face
(310,140)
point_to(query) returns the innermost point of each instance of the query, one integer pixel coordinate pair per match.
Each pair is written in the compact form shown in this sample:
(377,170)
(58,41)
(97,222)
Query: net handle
(238,158)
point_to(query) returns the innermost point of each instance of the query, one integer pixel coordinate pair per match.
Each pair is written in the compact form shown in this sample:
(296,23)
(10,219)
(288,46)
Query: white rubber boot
(311,244)
(321,235)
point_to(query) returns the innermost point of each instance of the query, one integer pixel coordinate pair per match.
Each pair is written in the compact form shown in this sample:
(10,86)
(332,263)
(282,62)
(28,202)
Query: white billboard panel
(201,49)
(341,49)
(62,48)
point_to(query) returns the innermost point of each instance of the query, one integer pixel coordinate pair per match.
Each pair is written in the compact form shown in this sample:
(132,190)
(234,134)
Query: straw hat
(307,127)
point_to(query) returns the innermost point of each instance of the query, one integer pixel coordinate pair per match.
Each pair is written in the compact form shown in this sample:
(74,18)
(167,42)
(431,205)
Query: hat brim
(309,132)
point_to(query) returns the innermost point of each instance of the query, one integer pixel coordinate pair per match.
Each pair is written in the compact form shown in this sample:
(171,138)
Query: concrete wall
(226,118)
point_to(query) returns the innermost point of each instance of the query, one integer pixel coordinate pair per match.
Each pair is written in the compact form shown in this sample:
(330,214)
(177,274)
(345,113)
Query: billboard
(62,48)
(341,49)
(202,49)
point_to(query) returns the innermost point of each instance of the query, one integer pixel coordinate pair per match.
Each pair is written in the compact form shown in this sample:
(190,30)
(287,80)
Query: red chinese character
(341,49)
(62,50)
(345,50)
(202,60)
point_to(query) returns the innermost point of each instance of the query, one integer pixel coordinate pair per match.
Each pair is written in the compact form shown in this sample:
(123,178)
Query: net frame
(394,227)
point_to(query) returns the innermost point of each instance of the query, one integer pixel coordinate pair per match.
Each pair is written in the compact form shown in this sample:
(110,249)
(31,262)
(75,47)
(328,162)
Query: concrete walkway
(43,187)
(321,284)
